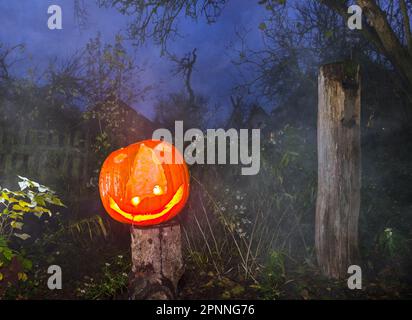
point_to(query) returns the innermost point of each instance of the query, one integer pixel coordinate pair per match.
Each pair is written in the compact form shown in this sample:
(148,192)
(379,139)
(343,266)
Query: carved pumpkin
(146,183)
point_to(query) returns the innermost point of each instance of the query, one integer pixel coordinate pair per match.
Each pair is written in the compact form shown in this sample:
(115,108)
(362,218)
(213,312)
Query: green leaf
(38,214)
(329,34)
(17,225)
(262,26)
(237,290)
(56,201)
(27,264)
(13,200)
(24,204)
(3,242)
(23,185)
(17,207)
(43,189)
(5,196)
(7,253)
(40,201)
(23,236)
(22,276)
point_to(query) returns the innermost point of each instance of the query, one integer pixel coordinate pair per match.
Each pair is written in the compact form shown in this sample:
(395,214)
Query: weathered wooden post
(157,262)
(338,197)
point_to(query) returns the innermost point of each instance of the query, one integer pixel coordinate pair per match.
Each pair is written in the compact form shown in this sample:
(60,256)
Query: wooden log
(157,262)
(339,173)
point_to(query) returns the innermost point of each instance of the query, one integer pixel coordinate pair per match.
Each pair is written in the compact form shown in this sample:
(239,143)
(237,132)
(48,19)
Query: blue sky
(25,21)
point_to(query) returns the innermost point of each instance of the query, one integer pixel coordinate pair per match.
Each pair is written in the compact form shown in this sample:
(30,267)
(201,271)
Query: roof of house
(131,126)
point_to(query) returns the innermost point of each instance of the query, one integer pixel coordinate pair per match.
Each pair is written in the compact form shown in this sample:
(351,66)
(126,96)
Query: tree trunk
(157,262)
(393,48)
(338,198)
(379,32)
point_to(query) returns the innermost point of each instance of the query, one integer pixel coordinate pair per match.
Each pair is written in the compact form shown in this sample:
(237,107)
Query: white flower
(107,264)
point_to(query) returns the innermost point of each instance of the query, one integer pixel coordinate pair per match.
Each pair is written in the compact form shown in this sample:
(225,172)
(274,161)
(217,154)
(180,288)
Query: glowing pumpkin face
(145,183)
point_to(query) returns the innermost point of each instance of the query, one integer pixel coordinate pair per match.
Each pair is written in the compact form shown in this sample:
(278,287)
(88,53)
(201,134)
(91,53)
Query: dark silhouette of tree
(386,25)
(7,60)
(385,33)
(184,66)
(157,19)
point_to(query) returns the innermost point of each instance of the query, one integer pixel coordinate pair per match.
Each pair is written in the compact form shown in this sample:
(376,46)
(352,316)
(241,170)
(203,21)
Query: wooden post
(157,262)
(338,197)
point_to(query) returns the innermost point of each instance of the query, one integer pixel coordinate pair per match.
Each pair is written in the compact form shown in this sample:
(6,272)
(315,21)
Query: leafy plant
(113,281)
(84,230)
(391,243)
(273,276)
(32,198)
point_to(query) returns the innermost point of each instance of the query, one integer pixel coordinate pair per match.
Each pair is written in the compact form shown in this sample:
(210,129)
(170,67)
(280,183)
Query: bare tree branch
(379,31)
(5,63)
(394,50)
(406,24)
(185,66)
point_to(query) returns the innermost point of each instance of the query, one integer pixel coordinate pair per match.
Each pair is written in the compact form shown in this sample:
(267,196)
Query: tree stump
(157,262)
(338,197)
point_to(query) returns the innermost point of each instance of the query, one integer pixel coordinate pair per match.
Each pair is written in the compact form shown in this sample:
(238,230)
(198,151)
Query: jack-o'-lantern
(144,184)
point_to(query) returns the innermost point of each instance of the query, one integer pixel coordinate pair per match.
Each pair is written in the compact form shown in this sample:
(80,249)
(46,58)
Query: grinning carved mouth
(144,217)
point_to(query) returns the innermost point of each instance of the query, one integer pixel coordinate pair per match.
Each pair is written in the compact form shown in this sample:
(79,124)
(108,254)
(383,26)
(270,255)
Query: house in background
(63,158)
(124,124)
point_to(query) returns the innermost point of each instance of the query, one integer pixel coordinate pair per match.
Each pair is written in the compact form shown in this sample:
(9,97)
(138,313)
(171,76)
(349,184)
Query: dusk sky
(25,21)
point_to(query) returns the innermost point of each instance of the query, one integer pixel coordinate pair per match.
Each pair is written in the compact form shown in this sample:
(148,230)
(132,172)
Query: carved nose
(135,201)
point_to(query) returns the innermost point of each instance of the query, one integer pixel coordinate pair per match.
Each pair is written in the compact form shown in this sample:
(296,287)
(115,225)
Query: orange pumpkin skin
(137,186)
